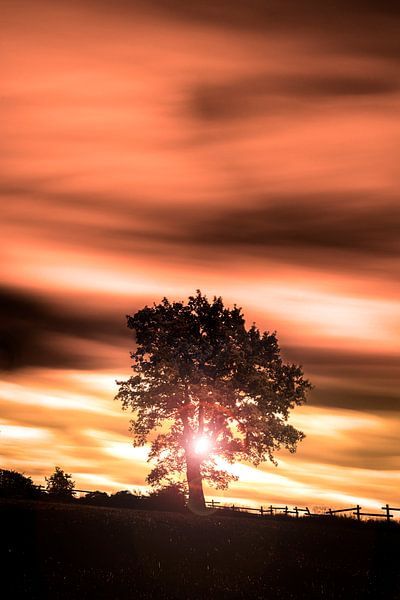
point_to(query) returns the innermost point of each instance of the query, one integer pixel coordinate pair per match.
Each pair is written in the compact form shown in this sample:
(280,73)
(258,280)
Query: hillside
(68,551)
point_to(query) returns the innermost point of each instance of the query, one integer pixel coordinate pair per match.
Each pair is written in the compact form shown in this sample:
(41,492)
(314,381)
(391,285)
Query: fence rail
(284,510)
(43,488)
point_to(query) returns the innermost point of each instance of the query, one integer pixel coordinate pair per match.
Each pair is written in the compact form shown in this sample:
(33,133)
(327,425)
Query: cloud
(258,13)
(319,224)
(307,228)
(34,332)
(271,95)
(353,380)
(362,27)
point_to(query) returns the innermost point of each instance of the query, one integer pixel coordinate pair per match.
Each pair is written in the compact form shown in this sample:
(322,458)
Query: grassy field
(69,551)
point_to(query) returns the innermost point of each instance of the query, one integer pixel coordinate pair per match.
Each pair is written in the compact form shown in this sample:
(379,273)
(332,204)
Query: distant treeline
(60,487)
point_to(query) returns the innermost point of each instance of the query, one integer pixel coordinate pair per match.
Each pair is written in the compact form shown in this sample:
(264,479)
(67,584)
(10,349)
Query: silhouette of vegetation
(217,389)
(60,484)
(61,487)
(171,497)
(17,485)
(125,499)
(96,498)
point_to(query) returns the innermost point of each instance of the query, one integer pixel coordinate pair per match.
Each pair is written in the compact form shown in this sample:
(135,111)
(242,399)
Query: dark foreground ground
(65,551)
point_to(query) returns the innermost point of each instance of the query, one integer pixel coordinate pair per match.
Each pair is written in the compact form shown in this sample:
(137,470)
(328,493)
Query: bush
(96,498)
(171,497)
(125,499)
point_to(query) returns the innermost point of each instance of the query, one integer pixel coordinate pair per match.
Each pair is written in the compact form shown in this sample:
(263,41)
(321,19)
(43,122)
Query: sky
(249,149)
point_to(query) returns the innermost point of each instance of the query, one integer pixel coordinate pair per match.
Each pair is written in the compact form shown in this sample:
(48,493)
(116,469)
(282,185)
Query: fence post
(286,510)
(387,507)
(261,511)
(330,512)
(212,503)
(271,510)
(358,510)
(233,507)
(308,511)
(296,510)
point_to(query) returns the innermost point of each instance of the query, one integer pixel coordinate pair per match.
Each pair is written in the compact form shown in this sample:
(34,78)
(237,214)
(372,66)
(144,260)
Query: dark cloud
(354,380)
(261,13)
(340,393)
(268,94)
(319,224)
(305,227)
(357,455)
(35,333)
(363,27)
(334,362)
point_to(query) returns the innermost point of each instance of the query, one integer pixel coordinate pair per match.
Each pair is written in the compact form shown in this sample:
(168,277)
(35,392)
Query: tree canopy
(60,484)
(16,484)
(207,391)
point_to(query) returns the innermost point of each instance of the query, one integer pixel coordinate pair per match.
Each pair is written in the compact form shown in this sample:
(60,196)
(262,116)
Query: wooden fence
(355,511)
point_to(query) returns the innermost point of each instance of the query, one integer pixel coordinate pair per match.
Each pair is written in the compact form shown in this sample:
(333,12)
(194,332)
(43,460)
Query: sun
(202,445)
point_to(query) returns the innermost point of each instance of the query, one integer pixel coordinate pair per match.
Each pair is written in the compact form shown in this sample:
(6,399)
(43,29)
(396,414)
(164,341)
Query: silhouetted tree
(15,484)
(219,390)
(60,484)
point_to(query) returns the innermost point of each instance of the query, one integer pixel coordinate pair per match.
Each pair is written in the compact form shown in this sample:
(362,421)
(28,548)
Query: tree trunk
(197,502)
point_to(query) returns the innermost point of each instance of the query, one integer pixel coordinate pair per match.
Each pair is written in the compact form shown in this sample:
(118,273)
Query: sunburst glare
(202,445)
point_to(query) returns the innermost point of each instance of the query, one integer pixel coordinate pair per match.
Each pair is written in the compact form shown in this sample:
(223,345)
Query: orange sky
(249,149)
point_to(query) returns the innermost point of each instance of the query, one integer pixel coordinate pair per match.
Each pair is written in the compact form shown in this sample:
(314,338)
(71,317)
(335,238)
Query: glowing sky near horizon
(249,149)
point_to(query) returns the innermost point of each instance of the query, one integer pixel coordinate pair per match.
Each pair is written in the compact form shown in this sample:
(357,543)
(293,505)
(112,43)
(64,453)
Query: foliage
(125,499)
(96,498)
(199,372)
(171,497)
(60,484)
(14,484)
